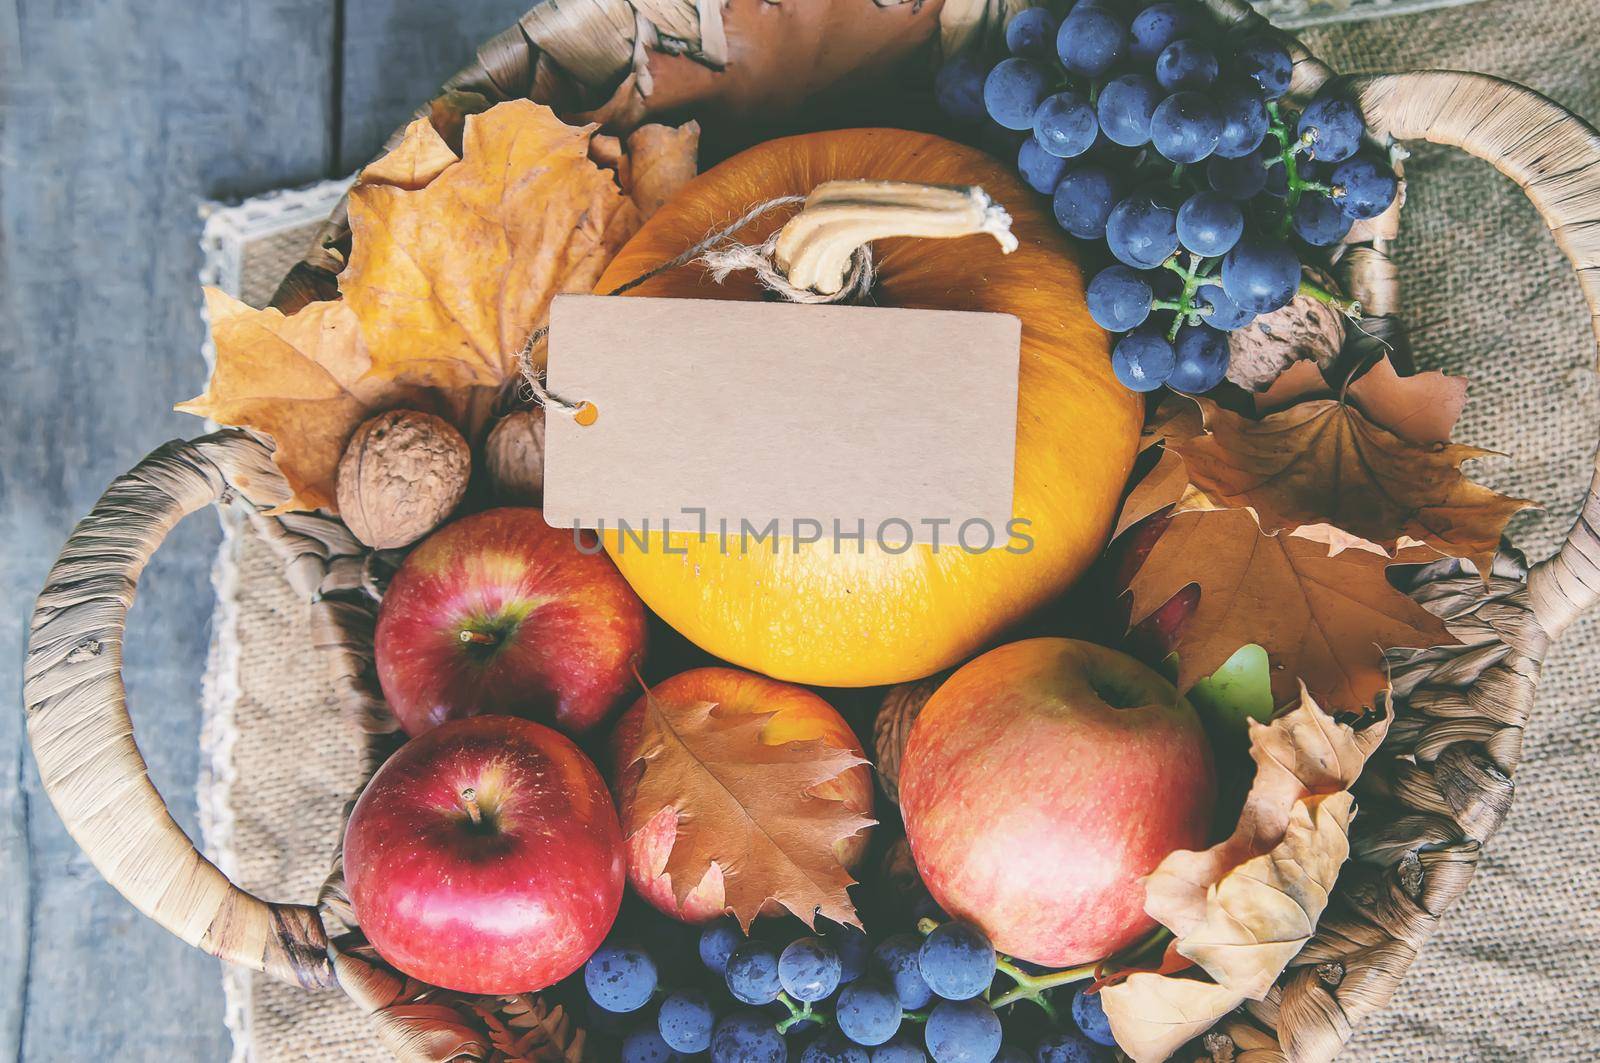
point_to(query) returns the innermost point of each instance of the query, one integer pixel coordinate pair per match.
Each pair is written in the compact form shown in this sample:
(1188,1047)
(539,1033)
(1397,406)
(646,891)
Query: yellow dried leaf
(449,280)
(1153,1015)
(661,160)
(420,156)
(302,380)
(747,807)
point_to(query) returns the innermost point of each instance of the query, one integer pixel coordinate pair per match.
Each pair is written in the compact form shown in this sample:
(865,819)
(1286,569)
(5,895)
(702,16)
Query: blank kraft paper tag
(712,416)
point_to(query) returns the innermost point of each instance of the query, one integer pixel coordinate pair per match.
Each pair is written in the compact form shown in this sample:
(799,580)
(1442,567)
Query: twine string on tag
(719,261)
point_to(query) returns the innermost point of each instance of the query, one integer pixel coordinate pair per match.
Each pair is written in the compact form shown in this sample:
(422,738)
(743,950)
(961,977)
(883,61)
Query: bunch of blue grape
(834,997)
(1174,146)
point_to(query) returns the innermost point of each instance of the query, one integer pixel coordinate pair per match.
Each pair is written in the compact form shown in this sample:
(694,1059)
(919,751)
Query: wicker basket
(1439,787)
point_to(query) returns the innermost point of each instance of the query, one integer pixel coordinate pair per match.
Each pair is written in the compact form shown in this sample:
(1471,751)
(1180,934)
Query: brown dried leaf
(1164,485)
(1422,408)
(1324,620)
(303,380)
(748,807)
(1153,1015)
(661,160)
(1323,462)
(420,156)
(448,280)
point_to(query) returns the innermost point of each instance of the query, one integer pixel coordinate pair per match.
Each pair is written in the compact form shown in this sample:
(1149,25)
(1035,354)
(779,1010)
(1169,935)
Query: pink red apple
(799,715)
(501,613)
(1041,783)
(485,857)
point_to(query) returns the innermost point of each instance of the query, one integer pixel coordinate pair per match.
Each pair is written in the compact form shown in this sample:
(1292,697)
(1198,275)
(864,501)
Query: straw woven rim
(1440,786)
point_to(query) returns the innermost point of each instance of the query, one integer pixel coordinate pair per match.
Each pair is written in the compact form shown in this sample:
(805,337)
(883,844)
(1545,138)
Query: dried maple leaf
(302,380)
(1153,1015)
(1422,408)
(1246,907)
(1325,620)
(1325,462)
(747,807)
(411,164)
(449,279)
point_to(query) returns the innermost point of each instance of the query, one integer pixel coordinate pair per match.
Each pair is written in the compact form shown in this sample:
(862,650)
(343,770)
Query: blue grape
(852,947)
(868,1012)
(747,1036)
(620,977)
(1038,167)
(1245,121)
(1126,106)
(1186,64)
(1319,221)
(1334,125)
(646,1046)
(1267,63)
(1241,179)
(1225,314)
(1013,90)
(1261,275)
(1090,41)
(1369,187)
(1158,26)
(1142,230)
(1084,199)
(1277,184)
(1201,360)
(1143,360)
(1186,127)
(1209,224)
(958,87)
(809,969)
(1065,125)
(717,942)
(1119,301)
(832,1048)
(1031,33)
(1067,1046)
(900,1050)
(957,960)
(685,1021)
(963,1031)
(1089,1013)
(753,973)
(899,955)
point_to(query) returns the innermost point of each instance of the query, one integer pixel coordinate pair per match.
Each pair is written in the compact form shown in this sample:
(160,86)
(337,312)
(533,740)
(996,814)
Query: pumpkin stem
(814,248)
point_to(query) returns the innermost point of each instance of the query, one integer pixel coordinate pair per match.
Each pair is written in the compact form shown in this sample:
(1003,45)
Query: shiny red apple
(501,613)
(798,715)
(1040,784)
(485,857)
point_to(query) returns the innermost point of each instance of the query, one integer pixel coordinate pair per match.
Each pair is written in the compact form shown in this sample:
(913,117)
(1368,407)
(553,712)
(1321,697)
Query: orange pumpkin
(860,619)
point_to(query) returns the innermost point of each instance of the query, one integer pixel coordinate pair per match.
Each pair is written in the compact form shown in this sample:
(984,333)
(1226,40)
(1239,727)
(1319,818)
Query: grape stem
(1194,278)
(1350,308)
(799,1013)
(1289,152)
(1034,986)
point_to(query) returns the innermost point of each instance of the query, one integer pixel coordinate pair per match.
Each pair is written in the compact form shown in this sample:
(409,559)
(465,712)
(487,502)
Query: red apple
(798,715)
(1041,783)
(501,613)
(485,857)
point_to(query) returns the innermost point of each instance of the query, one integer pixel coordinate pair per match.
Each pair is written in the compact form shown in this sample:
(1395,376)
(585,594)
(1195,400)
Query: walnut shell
(1305,330)
(514,458)
(402,474)
(901,706)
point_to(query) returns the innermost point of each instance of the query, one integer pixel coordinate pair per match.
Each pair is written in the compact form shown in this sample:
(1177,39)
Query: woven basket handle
(82,737)
(1555,157)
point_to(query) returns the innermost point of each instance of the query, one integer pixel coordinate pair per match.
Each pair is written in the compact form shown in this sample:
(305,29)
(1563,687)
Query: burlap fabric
(1512,975)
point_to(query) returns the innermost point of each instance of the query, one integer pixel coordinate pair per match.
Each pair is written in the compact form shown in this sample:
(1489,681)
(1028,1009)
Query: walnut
(900,709)
(514,456)
(1305,330)
(402,474)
